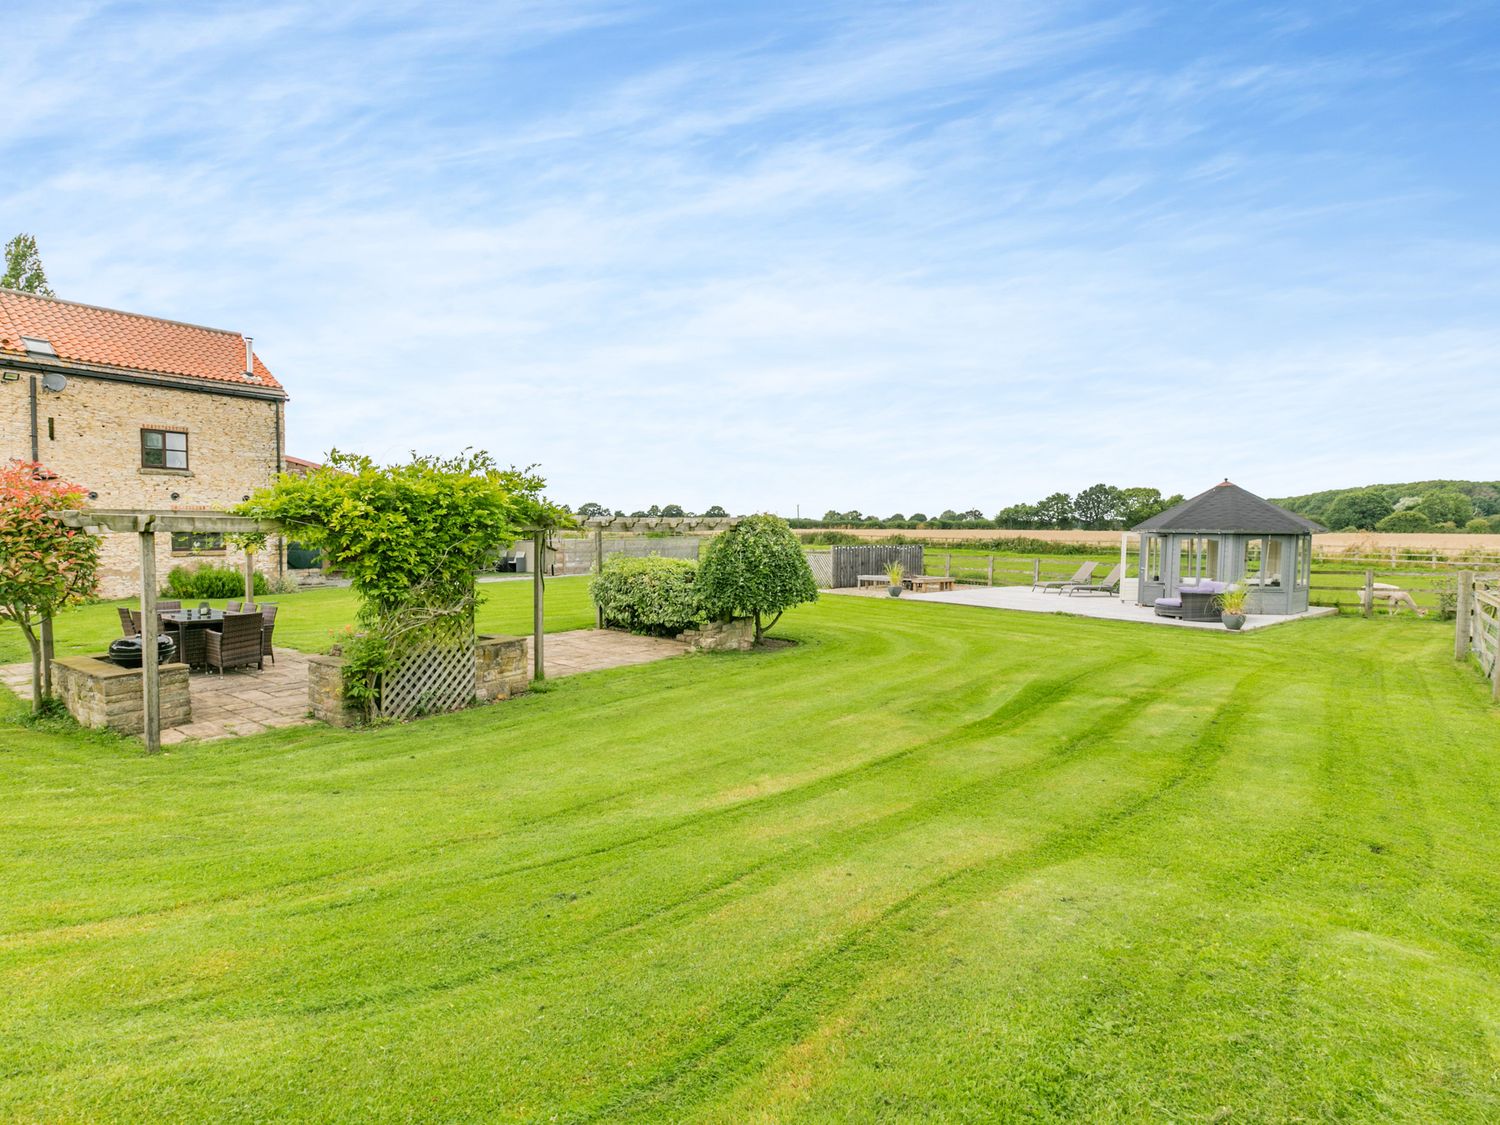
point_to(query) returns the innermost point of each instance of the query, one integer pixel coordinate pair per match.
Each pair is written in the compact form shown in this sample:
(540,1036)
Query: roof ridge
(122,312)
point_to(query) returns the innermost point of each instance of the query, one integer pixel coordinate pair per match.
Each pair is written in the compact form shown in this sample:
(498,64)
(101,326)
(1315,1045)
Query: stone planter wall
(737,635)
(500,667)
(325,692)
(103,695)
(500,672)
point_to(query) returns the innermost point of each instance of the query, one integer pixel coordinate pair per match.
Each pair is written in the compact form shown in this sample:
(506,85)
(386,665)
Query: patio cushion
(1170,603)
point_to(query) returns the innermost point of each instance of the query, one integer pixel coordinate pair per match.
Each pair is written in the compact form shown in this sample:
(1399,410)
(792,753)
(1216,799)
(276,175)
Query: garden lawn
(309,619)
(931,863)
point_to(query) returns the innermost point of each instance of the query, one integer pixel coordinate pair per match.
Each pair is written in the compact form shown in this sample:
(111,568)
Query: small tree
(715,512)
(754,569)
(23,267)
(44,566)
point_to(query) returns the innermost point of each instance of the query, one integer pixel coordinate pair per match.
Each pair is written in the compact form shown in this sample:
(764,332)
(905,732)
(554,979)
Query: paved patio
(1118,608)
(247,701)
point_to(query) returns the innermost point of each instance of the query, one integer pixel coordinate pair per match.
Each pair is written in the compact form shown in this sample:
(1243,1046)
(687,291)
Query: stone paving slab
(247,701)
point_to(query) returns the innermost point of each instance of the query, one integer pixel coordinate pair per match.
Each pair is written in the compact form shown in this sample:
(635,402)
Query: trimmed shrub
(651,595)
(205,582)
(755,569)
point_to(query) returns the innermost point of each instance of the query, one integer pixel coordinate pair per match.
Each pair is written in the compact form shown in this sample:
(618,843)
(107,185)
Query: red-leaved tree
(44,566)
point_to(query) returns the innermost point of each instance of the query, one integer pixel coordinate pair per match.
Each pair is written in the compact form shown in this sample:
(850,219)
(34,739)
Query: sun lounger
(1084,573)
(1109,585)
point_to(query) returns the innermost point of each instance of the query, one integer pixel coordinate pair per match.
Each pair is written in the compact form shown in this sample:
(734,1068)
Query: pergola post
(1123,563)
(538,667)
(598,569)
(48,649)
(249,579)
(150,670)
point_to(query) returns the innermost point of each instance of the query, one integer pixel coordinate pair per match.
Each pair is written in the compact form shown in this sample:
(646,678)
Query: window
(1255,550)
(164,449)
(198,542)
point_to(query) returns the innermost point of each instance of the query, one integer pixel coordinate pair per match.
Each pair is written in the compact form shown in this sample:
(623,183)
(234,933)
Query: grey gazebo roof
(1228,508)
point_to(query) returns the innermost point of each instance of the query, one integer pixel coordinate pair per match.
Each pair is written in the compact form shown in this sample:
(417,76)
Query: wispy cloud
(761,255)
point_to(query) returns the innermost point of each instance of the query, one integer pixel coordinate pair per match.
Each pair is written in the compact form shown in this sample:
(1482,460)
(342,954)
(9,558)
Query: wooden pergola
(146,525)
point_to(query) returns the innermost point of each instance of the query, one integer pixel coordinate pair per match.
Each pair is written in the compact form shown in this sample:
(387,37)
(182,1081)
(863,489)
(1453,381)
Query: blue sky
(882,256)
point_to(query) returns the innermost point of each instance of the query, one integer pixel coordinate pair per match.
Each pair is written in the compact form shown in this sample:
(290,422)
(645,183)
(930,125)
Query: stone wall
(500,672)
(325,692)
(100,694)
(500,667)
(89,433)
(737,635)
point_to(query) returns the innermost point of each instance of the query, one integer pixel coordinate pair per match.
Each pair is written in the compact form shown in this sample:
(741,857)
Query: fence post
(1036,573)
(1369,600)
(948,566)
(1461,614)
(990,576)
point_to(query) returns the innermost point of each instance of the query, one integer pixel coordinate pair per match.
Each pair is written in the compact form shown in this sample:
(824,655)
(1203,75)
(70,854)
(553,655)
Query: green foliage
(895,572)
(1233,600)
(366,658)
(44,566)
(1361,508)
(1408,521)
(650,595)
(831,539)
(755,568)
(23,267)
(209,582)
(1478,526)
(432,521)
(1483,495)
(1447,505)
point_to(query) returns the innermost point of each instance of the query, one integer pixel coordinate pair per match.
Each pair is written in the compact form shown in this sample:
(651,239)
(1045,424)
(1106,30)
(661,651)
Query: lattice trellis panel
(437,676)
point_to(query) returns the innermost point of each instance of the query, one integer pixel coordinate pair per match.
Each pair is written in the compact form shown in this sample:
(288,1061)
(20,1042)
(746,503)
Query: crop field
(929,863)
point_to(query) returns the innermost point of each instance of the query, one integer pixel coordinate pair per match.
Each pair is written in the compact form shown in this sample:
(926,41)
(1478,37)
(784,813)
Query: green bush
(651,595)
(205,582)
(1406,521)
(755,568)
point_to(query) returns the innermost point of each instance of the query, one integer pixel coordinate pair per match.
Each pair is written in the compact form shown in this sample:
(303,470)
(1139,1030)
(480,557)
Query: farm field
(930,863)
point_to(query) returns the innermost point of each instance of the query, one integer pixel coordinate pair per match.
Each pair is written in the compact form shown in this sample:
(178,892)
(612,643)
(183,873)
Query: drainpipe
(36,452)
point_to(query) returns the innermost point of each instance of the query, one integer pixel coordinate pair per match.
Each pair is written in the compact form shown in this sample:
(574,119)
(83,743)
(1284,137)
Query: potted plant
(1232,604)
(895,572)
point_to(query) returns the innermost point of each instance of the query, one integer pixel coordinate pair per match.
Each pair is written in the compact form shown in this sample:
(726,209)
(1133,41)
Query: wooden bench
(921,583)
(862,580)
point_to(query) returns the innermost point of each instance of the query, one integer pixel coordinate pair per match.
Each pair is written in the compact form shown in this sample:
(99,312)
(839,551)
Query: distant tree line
(1100,507)
(592,510)
(1422,506)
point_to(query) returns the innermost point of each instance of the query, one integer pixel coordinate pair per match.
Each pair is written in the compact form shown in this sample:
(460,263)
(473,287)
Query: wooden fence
(1478,631)
(850,562)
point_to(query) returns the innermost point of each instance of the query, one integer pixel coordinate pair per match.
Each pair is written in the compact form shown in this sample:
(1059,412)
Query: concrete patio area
(247,701)
(1026,600)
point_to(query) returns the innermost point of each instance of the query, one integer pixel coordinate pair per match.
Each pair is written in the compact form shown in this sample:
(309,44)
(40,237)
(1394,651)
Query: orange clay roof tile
(106,337)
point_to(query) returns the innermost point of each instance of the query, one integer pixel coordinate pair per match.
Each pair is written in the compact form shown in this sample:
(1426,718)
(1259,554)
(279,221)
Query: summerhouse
(1228,535)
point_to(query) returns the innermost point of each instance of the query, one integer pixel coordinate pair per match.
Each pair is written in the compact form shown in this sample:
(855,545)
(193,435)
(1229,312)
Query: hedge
(650,595)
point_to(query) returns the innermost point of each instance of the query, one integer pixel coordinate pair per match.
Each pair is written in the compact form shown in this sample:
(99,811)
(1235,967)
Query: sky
(799,256)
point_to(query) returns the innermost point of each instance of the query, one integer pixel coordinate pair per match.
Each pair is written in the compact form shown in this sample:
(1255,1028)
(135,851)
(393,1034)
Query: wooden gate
(436,675)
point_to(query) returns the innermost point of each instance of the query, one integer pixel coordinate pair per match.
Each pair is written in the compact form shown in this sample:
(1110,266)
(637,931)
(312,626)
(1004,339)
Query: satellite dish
(54,382)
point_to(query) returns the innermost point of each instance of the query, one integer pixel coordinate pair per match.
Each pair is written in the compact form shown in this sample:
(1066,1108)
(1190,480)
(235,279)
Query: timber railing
(1478,626)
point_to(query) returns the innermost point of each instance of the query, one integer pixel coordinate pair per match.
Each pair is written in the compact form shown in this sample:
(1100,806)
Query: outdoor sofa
(1193,603)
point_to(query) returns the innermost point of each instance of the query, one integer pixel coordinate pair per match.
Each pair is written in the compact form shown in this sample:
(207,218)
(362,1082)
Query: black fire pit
(126,652)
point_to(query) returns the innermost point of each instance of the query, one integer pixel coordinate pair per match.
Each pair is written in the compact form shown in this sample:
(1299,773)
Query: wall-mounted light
(176,496)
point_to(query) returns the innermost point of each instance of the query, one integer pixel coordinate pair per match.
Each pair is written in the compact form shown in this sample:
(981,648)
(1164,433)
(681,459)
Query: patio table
(921,583)
(193,648)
